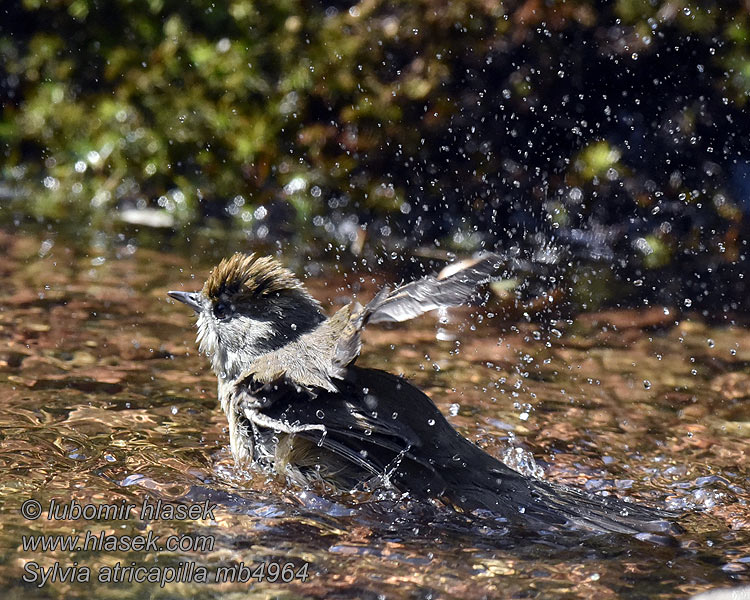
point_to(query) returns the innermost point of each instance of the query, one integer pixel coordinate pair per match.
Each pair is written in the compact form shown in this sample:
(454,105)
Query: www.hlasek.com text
(109,542)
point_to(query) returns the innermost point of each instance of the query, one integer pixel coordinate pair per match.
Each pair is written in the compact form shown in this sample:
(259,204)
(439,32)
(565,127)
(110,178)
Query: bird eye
(221,310)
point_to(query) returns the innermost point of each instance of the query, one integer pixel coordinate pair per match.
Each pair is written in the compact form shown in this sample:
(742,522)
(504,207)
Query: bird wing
(361,425)
(453,286)
(319,359)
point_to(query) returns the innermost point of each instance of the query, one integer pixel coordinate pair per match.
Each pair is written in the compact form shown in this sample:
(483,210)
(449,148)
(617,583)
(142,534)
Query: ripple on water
(105,399)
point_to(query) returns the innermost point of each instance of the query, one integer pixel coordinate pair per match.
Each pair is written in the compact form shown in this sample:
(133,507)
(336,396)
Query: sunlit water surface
(104,398)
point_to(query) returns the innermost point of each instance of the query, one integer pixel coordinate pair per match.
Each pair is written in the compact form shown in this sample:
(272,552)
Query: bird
(298,405)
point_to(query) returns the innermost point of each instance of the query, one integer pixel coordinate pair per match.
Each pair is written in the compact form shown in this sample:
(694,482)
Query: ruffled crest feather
(251,276)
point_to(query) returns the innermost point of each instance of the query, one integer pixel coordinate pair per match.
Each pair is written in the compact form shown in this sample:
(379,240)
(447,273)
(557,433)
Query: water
(105,400)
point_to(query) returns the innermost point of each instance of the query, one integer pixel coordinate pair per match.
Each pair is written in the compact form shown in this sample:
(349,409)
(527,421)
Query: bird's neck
(264,337)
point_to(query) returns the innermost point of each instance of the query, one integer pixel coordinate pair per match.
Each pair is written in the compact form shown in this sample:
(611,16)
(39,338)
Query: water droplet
(647,384)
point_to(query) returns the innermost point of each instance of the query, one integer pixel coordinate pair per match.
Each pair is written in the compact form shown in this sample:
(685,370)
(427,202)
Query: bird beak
(192,299)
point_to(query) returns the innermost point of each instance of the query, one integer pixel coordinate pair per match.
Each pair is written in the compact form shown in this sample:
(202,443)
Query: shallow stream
(104,399)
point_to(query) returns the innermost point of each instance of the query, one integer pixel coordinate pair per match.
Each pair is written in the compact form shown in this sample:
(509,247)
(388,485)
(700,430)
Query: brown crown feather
(249,275)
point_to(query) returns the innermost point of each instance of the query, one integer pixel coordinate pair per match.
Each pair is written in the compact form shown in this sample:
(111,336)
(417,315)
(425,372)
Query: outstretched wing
(319,359)
(453,286)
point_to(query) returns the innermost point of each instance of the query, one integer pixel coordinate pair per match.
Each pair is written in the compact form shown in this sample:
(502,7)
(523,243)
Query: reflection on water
(104,399)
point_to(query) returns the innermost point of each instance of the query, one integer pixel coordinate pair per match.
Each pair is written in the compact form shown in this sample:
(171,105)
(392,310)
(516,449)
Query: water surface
(104,398)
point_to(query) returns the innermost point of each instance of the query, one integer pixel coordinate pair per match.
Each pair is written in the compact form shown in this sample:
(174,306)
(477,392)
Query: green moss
(658,253)
(596,159)
(432,102)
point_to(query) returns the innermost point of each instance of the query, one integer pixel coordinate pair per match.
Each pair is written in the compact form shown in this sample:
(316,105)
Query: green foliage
(447,117)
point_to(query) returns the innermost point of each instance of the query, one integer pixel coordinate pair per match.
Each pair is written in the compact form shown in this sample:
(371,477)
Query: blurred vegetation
(611,131)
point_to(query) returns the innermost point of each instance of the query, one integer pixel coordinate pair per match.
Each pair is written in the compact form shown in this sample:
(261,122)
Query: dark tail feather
(602,513)
(501,490)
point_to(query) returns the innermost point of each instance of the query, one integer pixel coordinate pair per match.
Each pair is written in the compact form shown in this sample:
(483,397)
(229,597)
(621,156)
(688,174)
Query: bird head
(249,306)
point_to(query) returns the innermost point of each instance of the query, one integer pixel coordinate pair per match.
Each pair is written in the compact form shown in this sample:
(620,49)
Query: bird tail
(490,485)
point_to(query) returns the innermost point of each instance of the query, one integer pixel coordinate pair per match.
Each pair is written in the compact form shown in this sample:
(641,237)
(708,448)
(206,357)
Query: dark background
(606,142)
